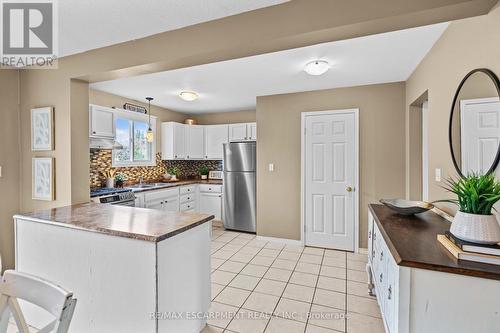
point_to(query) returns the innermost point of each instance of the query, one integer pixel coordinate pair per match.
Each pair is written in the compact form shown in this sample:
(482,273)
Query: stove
(113,196)
(98,191)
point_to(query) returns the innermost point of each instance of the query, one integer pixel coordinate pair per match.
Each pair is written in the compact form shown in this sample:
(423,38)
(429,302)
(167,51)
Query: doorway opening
(419,149)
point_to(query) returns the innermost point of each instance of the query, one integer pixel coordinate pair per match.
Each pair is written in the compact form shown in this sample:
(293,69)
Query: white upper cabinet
(101,122)
(238,132)
(243,132)
(252,131)
(215,137)
(194,141)
(173,141)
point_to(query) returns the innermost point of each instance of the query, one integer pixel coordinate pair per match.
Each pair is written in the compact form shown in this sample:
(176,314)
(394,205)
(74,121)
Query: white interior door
(480,133)
(330,177)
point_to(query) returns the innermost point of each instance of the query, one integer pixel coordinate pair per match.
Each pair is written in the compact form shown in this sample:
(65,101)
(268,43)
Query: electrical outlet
(271,167)
(438,175)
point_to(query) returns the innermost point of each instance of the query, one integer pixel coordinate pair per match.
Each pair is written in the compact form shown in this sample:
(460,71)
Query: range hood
(99,143)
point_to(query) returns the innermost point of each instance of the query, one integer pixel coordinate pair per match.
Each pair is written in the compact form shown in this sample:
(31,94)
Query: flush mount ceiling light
(317,67)
(188,95)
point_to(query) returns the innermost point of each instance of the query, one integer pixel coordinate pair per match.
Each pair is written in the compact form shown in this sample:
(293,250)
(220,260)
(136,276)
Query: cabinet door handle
(93,132)
(188,156)
(381,277)
(389,293)
(381,255)
(175,156)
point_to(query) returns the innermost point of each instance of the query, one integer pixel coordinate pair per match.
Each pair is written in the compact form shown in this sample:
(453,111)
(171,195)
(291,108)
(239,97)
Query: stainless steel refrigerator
(239,186)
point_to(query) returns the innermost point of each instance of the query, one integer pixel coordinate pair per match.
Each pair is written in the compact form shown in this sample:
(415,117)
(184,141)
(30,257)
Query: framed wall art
(43,178)
(42,129)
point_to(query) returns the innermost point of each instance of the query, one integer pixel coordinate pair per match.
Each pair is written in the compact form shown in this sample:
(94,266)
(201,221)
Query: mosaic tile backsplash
(101,160)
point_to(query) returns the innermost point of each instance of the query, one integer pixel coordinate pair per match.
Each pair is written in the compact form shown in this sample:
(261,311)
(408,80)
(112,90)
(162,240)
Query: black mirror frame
(496,81)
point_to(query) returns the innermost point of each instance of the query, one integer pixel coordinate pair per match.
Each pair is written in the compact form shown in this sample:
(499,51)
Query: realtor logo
(28,33)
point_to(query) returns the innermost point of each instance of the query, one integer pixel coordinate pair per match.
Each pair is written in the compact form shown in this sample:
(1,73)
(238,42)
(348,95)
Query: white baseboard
(281,240)
(363,250)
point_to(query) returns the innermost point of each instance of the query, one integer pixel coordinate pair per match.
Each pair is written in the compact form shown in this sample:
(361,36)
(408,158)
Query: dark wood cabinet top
(413,242)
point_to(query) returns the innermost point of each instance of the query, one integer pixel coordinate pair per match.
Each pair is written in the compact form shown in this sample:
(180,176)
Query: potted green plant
(203,171)
(476,195)
(119,179)
(175,172)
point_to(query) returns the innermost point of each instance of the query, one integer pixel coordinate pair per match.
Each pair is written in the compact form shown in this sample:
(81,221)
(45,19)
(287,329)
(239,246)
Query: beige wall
(247,116)
(465,45)
(381,157)
(9,161)
(105,99)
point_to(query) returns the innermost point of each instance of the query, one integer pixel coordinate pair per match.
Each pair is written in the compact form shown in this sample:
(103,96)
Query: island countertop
(121,221)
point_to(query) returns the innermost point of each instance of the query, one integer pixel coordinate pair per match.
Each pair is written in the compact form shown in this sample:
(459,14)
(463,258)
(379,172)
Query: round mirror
(474,131)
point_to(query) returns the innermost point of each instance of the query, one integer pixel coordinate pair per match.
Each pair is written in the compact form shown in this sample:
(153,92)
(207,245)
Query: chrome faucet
(141,179)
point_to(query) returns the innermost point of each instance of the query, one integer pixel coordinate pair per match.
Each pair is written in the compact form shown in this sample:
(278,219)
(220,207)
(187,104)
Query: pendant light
(149,134)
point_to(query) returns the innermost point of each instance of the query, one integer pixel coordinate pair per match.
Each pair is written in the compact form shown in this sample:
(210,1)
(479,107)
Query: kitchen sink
(142,186)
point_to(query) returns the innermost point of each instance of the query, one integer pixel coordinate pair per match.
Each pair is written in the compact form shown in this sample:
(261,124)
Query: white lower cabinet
(167,199)
(419,300)
(203,198)
(211,200)
(384,275)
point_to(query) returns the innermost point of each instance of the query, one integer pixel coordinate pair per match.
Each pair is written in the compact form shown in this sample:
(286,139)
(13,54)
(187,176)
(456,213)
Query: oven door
(130,203)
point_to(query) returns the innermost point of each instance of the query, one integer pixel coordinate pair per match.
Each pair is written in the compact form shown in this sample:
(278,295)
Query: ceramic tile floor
(260,286)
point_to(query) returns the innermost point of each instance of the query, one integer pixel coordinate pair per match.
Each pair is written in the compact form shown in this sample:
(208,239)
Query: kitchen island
(131,269)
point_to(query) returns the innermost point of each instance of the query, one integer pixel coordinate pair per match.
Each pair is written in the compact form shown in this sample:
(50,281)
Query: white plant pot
(110,182)
(204,176)
(482,229)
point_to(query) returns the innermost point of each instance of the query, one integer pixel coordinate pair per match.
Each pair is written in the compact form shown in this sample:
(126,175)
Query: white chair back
(50,297)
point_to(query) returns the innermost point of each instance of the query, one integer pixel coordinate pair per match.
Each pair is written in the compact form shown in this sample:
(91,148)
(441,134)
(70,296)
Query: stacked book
(487,254)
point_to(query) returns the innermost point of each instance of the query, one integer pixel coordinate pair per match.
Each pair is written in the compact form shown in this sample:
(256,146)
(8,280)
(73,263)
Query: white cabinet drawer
(191,189)
(161,194)
(211,188)
(187,206)
(187,198)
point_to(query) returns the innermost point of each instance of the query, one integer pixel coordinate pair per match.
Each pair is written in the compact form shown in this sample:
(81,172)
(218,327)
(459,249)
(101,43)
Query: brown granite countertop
(175,184)
(412,241)
(137,223)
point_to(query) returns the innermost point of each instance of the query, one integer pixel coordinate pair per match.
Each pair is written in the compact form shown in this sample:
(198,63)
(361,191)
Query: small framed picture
(43,178)
(42,129)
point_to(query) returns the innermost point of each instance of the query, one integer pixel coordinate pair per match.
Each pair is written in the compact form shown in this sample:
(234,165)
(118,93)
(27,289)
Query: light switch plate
(271,167)
(438,175)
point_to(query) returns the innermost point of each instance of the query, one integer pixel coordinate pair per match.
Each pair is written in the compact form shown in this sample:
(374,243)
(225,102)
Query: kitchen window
(131,132)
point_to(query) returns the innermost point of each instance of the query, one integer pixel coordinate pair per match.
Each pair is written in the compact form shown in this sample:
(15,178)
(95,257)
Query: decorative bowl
(167,177)
(407,207)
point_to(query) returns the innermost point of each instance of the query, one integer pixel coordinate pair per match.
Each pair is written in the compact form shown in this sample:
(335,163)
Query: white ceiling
(90,24)
(233,85)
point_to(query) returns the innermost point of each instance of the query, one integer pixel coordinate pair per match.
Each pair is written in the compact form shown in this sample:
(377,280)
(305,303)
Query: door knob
(348,189)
